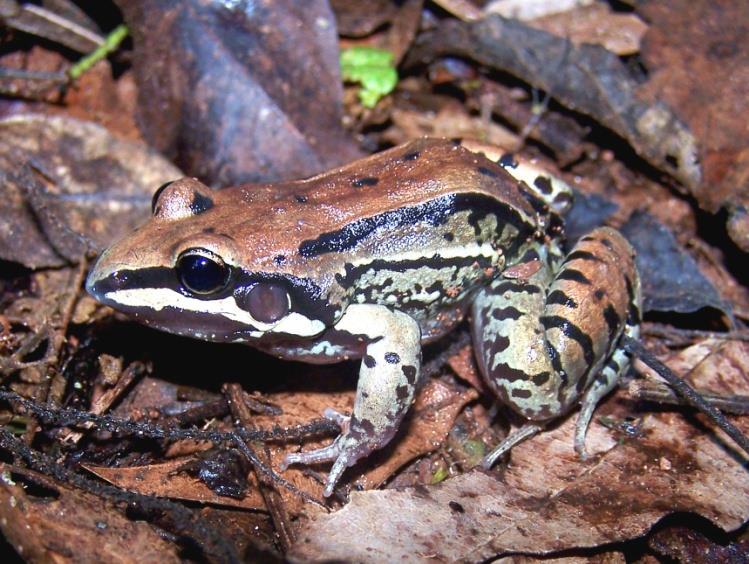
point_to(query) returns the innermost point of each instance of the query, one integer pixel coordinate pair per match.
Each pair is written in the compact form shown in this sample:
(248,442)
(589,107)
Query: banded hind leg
(552,341)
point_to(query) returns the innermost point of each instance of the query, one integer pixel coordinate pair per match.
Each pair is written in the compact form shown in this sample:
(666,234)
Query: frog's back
(417,227)
(392,201)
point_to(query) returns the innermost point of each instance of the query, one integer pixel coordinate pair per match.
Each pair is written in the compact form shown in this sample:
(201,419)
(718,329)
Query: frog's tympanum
(374,259)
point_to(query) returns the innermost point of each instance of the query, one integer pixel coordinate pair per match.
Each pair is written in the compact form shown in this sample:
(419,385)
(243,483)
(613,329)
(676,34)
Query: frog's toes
(346,450)
(337,417)
(525,432)
(324,454)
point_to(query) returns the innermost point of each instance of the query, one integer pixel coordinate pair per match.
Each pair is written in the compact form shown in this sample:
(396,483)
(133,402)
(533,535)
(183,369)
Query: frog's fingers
(387,381)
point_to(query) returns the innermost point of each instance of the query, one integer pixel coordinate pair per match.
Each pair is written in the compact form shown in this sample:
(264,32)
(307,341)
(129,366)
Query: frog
(371,261)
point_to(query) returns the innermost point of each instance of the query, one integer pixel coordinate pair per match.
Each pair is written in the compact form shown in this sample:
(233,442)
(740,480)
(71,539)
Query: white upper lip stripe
(159,298)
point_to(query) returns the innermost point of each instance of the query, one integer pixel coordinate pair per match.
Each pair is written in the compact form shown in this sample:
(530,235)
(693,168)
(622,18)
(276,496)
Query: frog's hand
(543,344)
(387,380)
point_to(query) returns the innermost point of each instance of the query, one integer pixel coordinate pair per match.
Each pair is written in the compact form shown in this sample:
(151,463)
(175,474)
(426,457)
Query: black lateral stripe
(511,286)
(487,172)
(574,275)
(539,206)
(612,320)
(630,289)
(582,255)
(306,296)
(573,332)
(559,297)
(507,160)
(434,212)
(366,181)
(633,317)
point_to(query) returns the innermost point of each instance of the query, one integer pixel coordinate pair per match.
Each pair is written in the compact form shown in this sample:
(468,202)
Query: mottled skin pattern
(373,259)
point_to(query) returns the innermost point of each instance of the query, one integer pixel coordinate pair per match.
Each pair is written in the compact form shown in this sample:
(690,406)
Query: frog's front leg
(387,380)
(549,342)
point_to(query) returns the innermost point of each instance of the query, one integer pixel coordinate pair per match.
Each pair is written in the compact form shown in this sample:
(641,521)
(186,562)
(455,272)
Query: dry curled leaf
(168,479)
(616,496)
(237,92)
(587,78)
(79,185)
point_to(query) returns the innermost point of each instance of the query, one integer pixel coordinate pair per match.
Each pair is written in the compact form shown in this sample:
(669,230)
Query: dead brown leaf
(68,525)
(168,479)
(227,89)
(698,60)
(83,185)
(618,495)
(584,78)
(432,416)
(596,24)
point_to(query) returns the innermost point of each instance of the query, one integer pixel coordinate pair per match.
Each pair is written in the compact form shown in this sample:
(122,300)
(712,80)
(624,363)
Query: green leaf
(372,68)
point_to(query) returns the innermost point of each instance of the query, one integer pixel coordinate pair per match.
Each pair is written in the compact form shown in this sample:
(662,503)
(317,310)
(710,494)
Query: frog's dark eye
(268,302)
(202,272)
(159,190)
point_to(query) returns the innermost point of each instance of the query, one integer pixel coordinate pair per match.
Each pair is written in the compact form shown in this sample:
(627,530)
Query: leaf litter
(616,133)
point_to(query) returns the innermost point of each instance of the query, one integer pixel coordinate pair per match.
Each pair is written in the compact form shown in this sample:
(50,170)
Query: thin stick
(686,391)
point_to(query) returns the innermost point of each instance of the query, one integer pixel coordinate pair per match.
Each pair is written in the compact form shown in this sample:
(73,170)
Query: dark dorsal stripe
(434,212)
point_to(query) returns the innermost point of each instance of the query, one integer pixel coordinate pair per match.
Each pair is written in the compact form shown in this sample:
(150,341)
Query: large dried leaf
(68,185)
(357,19)
(698,58)
(239,92)
(566,504)
(169,479)
(671,279)
(597,23)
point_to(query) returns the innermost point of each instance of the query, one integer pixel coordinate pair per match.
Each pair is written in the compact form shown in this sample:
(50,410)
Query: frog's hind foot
(607,379)
(525,432)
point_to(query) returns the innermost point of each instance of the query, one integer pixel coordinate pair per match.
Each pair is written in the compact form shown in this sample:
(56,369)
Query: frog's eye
(202,272)
(268,302)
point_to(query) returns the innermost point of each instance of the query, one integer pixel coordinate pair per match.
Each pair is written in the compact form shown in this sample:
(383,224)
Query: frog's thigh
(510,346)
(539,349)
(387,380)
(594,297)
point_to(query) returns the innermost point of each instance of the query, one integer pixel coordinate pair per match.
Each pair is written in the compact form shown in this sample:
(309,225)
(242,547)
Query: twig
(670,332)
(685,391)
(273,501)
(658,393)
(111,43)
(67,417)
